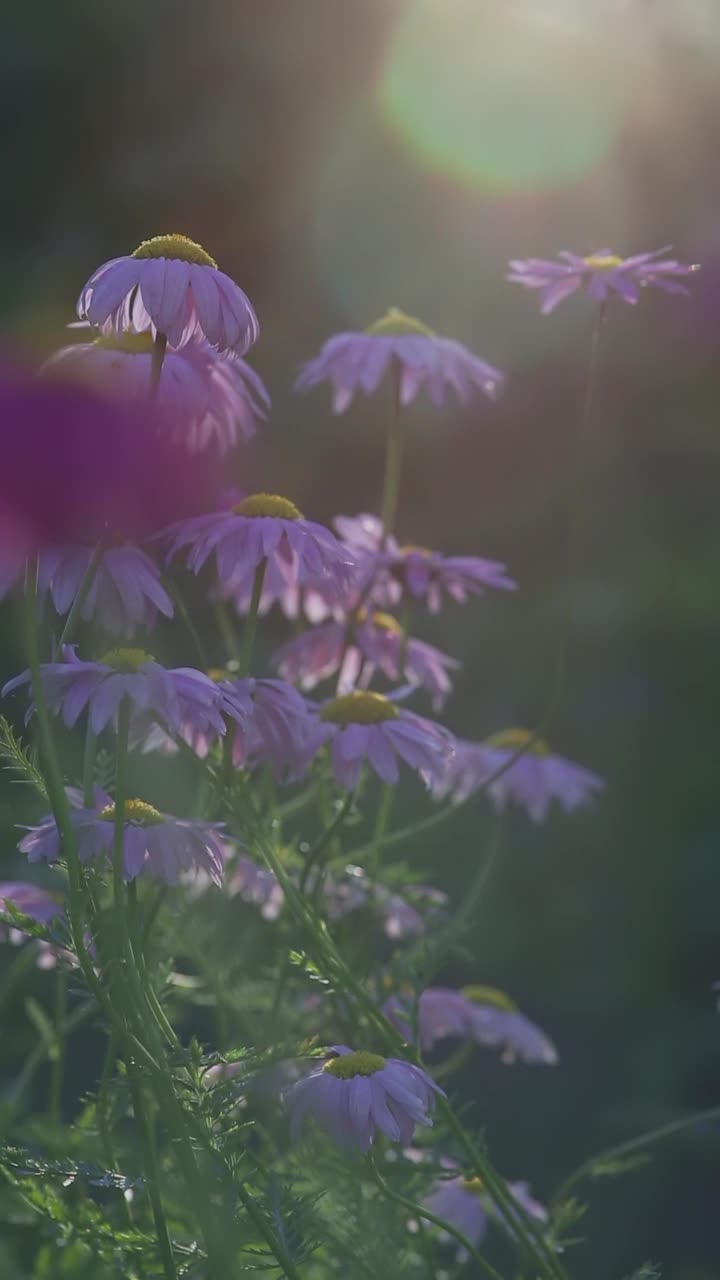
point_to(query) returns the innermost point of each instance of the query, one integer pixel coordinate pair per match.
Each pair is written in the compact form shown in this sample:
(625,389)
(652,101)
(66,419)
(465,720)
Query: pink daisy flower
(601,274)
(171,286)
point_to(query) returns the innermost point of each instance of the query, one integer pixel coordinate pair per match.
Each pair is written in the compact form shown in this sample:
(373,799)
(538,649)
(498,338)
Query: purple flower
(377,642)
(204,400)
(126,591)
(536,779)
(602,273)
(368,726)
(154,843)
(33,901)
(354,1095)
(400,919)
(171,286)
(359,361)
(257,886)
(464,1204)
(264,527)
(175,696)
(476,1013)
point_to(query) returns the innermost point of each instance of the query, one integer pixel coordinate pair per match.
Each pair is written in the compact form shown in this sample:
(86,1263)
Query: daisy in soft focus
(32,901)
(355,1095)
(364,726)
(264,530)
(203,399)
(388,572)
(154,843)
(175,696)
(601,274)
(356,649)
(125,593)
(536,779)
(481,1014)
(401,344)
(171,286)
(465,1204)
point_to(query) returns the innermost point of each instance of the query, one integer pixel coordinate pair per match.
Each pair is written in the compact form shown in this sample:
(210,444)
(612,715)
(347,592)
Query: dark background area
(340,156)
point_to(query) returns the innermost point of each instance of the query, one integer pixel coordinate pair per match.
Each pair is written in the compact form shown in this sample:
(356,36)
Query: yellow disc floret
(137,811)
(386,622)
(489,995)
(518,739)
(359,708)
(396,323)
(268,504)
(133,344)
(126,660)
(475,1185)
(175,246)
(348,1065)
(603,262)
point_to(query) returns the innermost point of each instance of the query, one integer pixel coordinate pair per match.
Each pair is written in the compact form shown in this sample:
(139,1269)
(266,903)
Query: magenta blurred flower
(154,843)
(175,696)
(264,527)
(125,593)
(476,1013)
(203,400)
(533,782)
(368,726)
(601,274)
(77,467)
(354,1095)
(32,901)
(170,285)
(464,1204)
(398,342)
(376,643)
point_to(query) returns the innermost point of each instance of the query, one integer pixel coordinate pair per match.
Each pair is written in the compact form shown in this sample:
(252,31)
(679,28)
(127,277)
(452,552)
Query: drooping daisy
(125,593)
(354,1095)
(368,726)
(533,782)
(270,529)
(32,901)
(602,273)
(422,360)
(464,1204)
(175,696)
(375,641)
(170,285)
(154,843)
(478,1013)
(203,399)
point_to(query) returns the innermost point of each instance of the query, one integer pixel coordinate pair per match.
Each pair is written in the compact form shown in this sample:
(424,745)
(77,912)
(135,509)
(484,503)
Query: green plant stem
(251,621)
(89,767)
(158,355)
(393,463)
(381,822)
(147,1140)
(119,904)
(631,1146)
(226,629)
(73,618)
(58,1049)
(177,599)
(419,1211)
(325,838)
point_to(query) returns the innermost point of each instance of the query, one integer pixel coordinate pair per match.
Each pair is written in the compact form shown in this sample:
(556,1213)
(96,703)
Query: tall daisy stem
(251,621)
(393,463)
(73,618)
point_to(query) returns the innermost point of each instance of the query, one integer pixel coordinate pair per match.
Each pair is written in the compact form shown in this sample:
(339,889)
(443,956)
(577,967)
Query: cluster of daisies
(165,335)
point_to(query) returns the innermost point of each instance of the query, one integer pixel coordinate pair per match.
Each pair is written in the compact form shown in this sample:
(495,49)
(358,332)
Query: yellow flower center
(489,995)
(175,246)
(268,504)
(475,1185)
(396,323)
(606,262)
(514,739)
(133,344)
(359,708)
(137,811)
(412,550)
(126,660)
(347,1065)
(386,622)
(218,674)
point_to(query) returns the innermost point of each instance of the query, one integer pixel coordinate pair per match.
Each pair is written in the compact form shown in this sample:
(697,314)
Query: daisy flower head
(601,274)
(153,843)
(257,886)
(397,342)
(264,530)
(175,696)
(363,726)
(171,286)
(31,900)
(464,1203)
(377,642)
(536,779)
(203,400)
(480,1014)
(355,1095)
(125,593)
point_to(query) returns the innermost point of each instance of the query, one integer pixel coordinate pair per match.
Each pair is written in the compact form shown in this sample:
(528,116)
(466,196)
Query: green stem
(158,355)
(419,1211)
(393,463)
(381,821)
(123,727)
(89,767)
(58,1049)
(73,618)
(184,613)
(631,1145)
(251,620)
(147,1140)
(324,840)
(226,629)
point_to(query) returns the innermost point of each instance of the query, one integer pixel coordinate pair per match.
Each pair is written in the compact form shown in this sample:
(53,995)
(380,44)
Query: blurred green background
(340,156)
